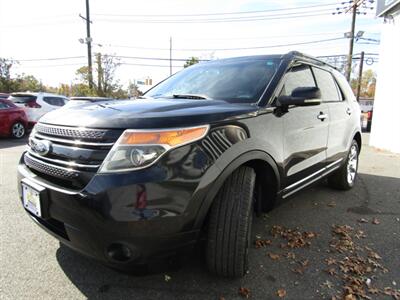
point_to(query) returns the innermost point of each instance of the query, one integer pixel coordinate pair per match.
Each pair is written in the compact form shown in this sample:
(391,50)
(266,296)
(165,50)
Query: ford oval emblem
(41,147)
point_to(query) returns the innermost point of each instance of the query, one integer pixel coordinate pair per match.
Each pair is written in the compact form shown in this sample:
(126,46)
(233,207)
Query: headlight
(137,149)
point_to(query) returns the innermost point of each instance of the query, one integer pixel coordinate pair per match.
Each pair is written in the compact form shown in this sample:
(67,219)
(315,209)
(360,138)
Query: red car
(13,120)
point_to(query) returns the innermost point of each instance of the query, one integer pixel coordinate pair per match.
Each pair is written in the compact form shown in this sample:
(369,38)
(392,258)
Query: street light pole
(360,71)
(351,46)
(89,45)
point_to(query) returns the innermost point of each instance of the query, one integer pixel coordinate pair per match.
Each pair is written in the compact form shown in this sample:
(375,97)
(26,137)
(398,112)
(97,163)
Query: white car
(37,104)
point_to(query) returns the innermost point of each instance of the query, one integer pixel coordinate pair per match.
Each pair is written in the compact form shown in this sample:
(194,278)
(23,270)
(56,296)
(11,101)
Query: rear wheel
(17,130)
(344,178)
(229,227)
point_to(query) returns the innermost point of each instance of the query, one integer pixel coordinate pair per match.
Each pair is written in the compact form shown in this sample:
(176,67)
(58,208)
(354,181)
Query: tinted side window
(3,105)
(56,101)
(298,76)
(327,85)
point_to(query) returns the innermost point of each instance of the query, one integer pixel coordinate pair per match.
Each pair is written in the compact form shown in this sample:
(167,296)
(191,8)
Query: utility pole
(89,45)
(360,71)
(170,55)
(356,7)
(353,25)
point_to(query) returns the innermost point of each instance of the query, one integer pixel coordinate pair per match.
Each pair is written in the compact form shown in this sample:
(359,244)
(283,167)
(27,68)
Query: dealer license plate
(31,200)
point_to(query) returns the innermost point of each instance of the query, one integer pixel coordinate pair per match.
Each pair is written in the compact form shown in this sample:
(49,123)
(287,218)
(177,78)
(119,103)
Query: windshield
(233,81)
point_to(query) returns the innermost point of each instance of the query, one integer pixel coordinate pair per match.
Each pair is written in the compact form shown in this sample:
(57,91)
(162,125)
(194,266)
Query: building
(385,131)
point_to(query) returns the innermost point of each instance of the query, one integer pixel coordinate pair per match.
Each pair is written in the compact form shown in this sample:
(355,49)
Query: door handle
(348,111)
(322,116)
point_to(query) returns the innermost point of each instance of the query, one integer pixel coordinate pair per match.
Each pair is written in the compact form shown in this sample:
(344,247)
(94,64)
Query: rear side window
(4,105)
(328,86)
(21,98)
(55,101)
(298,76)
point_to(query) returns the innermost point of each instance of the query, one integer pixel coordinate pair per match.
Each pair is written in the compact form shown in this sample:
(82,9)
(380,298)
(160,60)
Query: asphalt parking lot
(321,262)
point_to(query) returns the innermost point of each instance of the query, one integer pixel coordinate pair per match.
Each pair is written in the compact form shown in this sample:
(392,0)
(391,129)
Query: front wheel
(18,130)
(229,227)
(345,177)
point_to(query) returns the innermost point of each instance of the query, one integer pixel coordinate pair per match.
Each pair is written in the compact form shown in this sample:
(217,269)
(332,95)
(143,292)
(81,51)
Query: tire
(229,227)
(18,130)
(345,177)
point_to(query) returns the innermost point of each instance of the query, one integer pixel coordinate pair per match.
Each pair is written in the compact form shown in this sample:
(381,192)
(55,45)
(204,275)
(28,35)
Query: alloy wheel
(352,164)
(18,130)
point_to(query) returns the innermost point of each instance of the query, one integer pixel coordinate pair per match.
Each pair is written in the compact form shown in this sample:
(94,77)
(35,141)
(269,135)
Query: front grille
(48,169)
(74,155)
(90,134)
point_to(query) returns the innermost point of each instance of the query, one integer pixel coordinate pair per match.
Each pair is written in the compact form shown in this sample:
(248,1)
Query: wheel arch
(261,162)
(357,137)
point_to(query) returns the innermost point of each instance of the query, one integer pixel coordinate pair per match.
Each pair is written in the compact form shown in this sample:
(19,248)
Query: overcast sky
(45,29)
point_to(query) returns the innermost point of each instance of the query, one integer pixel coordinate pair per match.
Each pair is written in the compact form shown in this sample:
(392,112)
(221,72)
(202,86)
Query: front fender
(219,172)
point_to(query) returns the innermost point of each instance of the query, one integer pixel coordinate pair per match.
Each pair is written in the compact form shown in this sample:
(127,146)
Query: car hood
(147,113)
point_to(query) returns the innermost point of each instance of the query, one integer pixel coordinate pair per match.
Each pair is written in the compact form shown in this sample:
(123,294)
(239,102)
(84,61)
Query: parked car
(37,104)
(128,182)
(75,101)
(4,95)
(13,120)
(366,121)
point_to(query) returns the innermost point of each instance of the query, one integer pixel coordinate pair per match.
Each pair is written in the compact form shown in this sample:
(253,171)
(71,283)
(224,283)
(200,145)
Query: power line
(180,59)
(217,14)
(194,21)
(154,58)
(53,58)
(234,49)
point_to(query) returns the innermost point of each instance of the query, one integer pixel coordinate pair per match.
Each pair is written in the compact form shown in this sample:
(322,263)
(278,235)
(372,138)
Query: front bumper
(152,219)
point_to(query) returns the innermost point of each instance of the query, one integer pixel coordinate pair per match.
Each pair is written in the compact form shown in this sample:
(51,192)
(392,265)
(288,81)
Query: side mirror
(301,96)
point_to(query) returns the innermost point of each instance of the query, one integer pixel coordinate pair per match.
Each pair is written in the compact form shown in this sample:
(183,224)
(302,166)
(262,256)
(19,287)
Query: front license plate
(31,200)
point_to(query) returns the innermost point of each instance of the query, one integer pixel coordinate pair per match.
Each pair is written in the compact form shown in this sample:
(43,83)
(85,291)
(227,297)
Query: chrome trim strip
(53,166)
(312,175)
(304,179)
(61,162)
(334,163)
(24,171)
(72,142)
(310,182)
(71,127)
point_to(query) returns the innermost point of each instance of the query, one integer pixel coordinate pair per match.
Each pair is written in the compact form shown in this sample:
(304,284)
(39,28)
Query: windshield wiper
(190,96)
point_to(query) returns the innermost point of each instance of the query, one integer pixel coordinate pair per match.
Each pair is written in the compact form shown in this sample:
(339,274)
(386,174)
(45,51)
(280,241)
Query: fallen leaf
(328,284)
(298,270)
(244,292)
(330,261)
(290,255)
(374,255)
(331,204)
(262,243)
(273,256)
(304,263)
(373,291)
(167,278)
(350,297)
(331,271)
(376,221)
(362,220)
(281,293)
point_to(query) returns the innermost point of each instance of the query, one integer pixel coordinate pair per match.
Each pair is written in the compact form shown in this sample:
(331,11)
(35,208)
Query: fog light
(119,252)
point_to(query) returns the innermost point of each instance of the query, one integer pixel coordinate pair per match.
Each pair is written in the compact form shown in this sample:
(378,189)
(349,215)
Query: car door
(4,118)
(339,116)
(305,133)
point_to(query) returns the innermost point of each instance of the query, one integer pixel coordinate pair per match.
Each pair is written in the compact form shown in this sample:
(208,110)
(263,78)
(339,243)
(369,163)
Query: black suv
(127,182)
